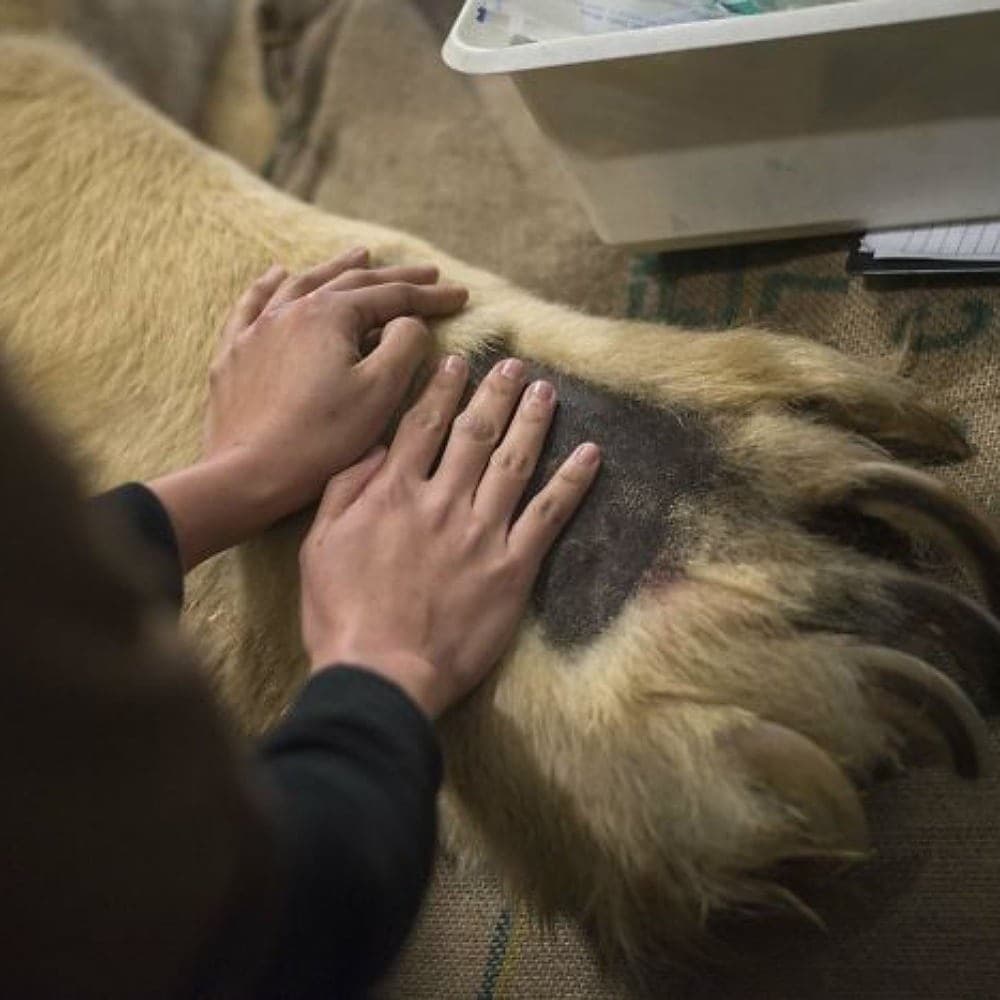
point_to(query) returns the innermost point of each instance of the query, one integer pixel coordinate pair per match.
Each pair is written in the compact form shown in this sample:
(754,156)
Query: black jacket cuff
(139,506)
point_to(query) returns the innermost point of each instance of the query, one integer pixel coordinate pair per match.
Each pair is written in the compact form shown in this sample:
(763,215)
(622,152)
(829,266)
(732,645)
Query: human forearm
(217,503)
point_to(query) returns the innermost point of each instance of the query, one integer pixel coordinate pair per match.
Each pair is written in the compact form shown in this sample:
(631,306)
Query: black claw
(931,696)
(918,503)
(965,628)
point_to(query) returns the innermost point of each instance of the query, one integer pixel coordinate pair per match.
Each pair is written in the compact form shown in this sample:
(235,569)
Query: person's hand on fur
(420,576)
(292,400)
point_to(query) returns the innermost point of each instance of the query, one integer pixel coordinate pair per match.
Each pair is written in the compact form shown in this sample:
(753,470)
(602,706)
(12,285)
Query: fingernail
(587,454)
(512,368)
(544,391)
(274,270)
(453,364)
(358,251)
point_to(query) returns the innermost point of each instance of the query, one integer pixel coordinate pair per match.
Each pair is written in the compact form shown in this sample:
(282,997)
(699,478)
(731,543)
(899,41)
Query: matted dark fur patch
(653,458)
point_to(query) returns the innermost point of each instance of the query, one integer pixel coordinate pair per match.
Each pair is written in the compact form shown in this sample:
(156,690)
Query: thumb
(345,487)
(404,345)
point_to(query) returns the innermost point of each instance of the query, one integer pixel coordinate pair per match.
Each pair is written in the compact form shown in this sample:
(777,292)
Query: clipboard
(948,248)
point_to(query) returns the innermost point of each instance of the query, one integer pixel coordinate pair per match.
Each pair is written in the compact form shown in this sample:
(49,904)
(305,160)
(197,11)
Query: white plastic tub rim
(462,54)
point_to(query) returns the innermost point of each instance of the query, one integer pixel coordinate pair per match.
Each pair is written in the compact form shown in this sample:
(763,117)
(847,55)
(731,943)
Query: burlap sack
(376,126)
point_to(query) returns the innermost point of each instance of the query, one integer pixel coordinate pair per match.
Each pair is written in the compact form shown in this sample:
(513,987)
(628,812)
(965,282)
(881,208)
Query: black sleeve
(355,770)
(137,507)
(353,774)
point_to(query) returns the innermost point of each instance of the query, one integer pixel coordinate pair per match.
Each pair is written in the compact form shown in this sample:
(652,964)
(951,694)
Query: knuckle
(310,545)
(475,426)
(574,475)
(476,532)
(438,511)
(392,489)
(322,304)
(512,463)
(504,573)
(550,510)
(294,306)
(498,384)
(318,298)
(354,276)
(237,348)
(424,419)
(407,327)
(370,385)
(398,293)
(506,378)
(272,311)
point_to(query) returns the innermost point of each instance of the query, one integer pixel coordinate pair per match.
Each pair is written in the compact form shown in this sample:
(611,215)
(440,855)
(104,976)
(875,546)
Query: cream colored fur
(615,783)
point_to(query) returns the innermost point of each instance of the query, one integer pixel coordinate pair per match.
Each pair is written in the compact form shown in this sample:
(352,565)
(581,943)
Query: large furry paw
(719,653)
(728,642)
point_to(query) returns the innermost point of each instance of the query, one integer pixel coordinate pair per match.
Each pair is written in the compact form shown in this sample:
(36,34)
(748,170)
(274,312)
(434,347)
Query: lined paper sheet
(967,241)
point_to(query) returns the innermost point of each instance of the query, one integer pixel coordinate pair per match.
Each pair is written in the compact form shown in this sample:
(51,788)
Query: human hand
(290,391)
(291,399)
(422,578)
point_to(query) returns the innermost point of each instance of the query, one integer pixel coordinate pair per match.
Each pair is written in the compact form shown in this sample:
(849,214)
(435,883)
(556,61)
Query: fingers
(542,520)
(371,296)
(512,464)
(377,305)
(475,432)
(345,487)
(253,302)
(364,277)
(422,430)
(392,365)
(302,284)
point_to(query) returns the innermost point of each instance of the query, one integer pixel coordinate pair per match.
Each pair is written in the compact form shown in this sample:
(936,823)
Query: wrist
(216,503)
(415,676)
(250,486)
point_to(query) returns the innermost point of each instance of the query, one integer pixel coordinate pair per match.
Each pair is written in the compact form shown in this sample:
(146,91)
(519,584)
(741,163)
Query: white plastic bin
(854,115)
